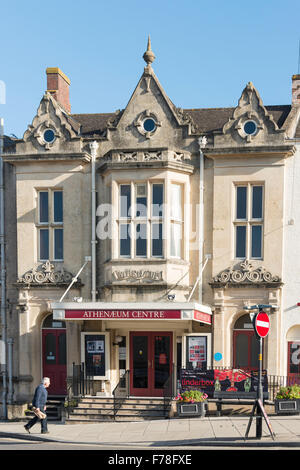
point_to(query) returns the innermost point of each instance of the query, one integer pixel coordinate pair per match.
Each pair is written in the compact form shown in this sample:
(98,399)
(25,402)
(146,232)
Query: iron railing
(78,385)
(121,392)
(169,390)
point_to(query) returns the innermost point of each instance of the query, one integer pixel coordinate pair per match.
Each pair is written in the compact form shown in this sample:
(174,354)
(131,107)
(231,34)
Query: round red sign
(262,324)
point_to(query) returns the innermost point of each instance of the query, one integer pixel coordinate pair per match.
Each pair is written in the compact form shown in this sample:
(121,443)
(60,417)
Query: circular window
(149,125)
(49,136)
(250,127)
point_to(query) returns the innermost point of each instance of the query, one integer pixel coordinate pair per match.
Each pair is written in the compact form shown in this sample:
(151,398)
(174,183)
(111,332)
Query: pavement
(211,431)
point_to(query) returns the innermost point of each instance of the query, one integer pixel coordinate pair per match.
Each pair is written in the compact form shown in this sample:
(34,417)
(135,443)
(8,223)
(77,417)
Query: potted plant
(191,403)
(287,400)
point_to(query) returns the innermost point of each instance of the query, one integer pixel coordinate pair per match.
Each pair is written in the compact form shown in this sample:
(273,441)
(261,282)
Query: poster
(95,355)
(196,352)
(230,381)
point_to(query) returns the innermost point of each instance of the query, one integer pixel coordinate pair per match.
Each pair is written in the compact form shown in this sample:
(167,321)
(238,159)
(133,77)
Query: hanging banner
(231,382)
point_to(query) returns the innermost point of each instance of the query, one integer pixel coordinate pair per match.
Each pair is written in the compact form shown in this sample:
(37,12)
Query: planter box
(191,409)
(287,406)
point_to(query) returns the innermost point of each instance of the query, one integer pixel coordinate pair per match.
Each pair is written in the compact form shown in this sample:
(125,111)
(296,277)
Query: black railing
(169,390)
(121,392)
(79,385)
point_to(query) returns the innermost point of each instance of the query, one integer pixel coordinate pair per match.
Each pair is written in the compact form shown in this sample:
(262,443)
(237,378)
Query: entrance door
(54,360)
(245,350)
(150,362)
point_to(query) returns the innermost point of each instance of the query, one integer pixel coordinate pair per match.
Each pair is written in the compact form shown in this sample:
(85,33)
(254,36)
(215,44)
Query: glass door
(150,362)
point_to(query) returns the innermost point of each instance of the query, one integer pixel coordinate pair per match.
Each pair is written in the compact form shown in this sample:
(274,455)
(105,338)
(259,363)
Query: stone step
(129,405)
(93,412)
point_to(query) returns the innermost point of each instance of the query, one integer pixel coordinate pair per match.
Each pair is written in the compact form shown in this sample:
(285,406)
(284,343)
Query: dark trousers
(35,419)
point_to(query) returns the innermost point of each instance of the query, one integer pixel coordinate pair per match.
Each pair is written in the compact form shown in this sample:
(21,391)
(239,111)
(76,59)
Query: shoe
(27,429)
(44,432)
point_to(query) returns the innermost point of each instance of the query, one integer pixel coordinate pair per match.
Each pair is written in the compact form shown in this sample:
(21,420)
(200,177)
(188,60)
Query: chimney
(295,89)
(58,85)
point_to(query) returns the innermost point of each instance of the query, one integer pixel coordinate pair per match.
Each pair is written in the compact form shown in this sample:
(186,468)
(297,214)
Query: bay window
(140,220)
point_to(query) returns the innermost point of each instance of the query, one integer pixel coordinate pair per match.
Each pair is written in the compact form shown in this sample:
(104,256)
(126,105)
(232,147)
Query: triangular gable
(250,123)
(50,116)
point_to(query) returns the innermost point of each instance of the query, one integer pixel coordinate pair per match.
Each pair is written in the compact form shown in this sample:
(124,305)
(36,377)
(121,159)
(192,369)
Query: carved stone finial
(149,56)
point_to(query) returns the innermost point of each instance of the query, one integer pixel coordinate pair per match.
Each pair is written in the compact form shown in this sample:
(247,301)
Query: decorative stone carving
(146,156)
(186,120)
(245,273)
(142,118)
(140,275)
(46,274)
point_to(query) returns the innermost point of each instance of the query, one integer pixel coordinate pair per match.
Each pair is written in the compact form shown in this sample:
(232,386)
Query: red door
(245,350)
(293,362)
(54,360)
(150,362)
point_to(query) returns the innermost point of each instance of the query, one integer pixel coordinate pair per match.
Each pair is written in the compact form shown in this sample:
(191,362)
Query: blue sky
(205,52)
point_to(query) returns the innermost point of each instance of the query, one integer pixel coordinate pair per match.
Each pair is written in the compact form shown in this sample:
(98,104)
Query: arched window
(49,322)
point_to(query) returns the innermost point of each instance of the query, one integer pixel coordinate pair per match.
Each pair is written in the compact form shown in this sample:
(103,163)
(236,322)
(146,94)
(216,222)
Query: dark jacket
(40,397)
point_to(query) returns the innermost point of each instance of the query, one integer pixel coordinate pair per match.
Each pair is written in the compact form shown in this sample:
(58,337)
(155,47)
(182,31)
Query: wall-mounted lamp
(118,339)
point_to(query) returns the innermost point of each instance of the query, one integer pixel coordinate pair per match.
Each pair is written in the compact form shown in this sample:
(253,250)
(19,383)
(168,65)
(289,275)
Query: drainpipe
(93,146)
(3,280)
(10,343)
(202,143)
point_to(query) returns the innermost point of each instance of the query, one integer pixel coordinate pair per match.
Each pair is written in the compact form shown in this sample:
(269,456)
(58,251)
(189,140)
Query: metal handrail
(168,389)
(121,392)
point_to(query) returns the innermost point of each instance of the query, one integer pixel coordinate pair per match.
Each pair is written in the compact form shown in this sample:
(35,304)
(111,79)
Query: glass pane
(141,240)
(50,323)
(240,251)
(176,202)
(141,200)
(95,355)
(241,202)
(196,352)
(294,357)
(241,351)
(256,243)
(62,349)
(50,348)
(161,360)
(44,244)
(125,200)
(257,202)
(157,244)
(125,240)
(140,361)
(58,243)
(176,240)
(44,206)
(157,200)
(58,206)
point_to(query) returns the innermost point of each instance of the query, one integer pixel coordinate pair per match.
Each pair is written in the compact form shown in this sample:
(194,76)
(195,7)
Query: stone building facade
(165,222)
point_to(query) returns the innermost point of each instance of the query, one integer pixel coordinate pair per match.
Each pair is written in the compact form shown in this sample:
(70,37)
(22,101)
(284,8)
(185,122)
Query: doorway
(55,355)
(151,360)
(245,345)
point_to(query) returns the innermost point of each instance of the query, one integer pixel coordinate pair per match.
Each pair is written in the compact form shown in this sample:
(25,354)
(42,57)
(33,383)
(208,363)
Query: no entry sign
(262,324)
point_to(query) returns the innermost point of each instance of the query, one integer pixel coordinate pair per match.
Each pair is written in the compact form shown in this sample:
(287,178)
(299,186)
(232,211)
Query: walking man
(39,402)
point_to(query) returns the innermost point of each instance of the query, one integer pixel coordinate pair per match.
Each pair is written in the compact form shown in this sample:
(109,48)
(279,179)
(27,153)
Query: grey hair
(46,380)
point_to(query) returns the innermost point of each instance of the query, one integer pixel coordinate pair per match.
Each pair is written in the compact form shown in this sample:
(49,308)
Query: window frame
(51,225)
(133,219)
(248,221)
